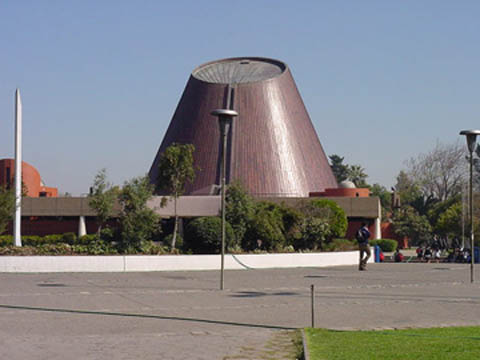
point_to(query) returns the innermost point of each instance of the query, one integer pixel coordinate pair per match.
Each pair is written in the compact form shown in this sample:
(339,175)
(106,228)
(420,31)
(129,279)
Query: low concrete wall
(133,263)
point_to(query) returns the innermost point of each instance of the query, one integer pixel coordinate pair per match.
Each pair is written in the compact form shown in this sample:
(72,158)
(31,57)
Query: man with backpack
(362,236)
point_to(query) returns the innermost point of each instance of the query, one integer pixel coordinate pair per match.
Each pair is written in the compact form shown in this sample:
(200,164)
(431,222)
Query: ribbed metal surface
(273,147)
(239,70)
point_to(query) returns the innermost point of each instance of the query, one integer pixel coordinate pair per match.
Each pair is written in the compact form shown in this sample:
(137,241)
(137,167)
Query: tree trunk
(175,227)
(175,230)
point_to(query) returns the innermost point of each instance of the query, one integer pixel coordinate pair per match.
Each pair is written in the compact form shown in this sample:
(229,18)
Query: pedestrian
(362,236)
(398,256)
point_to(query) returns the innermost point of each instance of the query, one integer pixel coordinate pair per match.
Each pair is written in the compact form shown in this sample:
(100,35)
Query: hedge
(387,245)
(203,235)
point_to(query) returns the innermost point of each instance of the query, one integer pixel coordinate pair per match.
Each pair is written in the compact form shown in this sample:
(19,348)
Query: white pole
(378,228)
(18,169)
(82,226)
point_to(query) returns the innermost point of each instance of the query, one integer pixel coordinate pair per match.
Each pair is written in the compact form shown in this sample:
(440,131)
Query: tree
(383,194)
(339,169)
(408,223)
(322,221)
(7,207)
(450,221)
(202,235)
(385,198)
(175,169)
(138,223)
(357,175)
(102,198)
(266,229)
(440,173)
(239,209)
(342,172)
(437,210)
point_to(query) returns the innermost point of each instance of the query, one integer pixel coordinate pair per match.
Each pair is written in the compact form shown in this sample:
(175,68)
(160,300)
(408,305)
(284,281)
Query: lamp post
(471,142)
(225,118)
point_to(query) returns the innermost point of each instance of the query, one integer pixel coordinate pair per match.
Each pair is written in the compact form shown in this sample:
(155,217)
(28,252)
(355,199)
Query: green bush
(341,245)
(15,250)
(203,235)
(87,239)
(266,230)
(167,240)
(6,240)
(32,240)
(98,247)
(53,249)
(69,238)
(107,234)
(239,209)
(387,245)
(336,216)
(151,248)
(320,221)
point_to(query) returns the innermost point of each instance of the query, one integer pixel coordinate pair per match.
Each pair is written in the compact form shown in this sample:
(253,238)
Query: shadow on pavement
(144,316)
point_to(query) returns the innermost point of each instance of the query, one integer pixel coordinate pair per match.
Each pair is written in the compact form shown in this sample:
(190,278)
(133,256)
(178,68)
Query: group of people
(428,253)
(460,255)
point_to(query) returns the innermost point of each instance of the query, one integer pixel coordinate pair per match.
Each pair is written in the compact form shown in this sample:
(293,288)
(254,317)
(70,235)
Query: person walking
(362,237)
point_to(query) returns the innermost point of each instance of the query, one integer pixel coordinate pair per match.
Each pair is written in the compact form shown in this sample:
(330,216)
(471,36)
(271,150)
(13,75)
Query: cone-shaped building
(273,149)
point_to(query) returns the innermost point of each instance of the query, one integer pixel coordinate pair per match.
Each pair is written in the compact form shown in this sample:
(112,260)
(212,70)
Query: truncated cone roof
(273,149)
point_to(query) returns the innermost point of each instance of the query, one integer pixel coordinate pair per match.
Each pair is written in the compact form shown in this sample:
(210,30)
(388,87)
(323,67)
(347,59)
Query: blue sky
(382,80)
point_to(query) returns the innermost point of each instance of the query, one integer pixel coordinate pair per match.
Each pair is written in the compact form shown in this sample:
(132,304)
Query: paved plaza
(184,315)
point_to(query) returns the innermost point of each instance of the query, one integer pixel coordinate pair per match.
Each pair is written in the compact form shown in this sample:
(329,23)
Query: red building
(32,181)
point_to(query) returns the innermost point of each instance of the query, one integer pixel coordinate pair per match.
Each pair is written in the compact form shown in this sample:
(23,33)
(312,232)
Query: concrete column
(82,226)
(378,229)
(17,223)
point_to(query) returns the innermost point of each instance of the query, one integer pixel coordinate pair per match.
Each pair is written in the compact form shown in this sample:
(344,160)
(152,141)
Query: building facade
(273,148)
(33,185)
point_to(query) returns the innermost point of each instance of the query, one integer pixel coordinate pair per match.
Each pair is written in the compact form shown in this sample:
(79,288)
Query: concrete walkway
(183,315)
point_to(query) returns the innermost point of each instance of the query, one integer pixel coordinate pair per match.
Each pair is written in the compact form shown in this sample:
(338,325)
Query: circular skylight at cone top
(239,70)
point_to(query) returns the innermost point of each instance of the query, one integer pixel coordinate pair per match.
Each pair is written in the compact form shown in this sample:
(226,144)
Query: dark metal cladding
(273,147)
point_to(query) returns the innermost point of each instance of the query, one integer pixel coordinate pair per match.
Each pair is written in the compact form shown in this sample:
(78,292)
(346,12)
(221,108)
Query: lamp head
(225,117)
(471,138)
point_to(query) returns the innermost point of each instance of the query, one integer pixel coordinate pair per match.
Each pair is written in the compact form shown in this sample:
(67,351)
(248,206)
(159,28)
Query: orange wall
(30,177)
(343,192)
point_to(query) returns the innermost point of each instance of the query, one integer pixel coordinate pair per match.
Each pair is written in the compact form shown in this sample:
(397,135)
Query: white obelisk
(18,170)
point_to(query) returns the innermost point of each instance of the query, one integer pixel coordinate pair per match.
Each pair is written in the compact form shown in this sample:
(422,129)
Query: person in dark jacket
(362,236)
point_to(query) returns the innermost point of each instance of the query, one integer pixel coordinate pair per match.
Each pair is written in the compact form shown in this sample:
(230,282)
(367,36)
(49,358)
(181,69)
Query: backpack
(360,236)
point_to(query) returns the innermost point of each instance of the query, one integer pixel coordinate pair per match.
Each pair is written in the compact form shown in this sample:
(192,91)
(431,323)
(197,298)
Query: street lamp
(471,142)
(225,118)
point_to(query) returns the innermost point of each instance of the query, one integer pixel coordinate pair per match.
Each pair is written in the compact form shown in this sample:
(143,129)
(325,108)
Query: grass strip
(462,343)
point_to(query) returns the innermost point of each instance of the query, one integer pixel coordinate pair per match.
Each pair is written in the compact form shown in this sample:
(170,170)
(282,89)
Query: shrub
(32,240)
(239,209)
(387,245)
(15,250)
(151,248)
(266,230)
(69,238)
(321,221)
(179,243)
(335,215)
(53,249)
(52,239)
(98,247)
(6,240)
(138,223)
(87,239)
(107,234)
(203,235)
(314,233)
(341,245)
